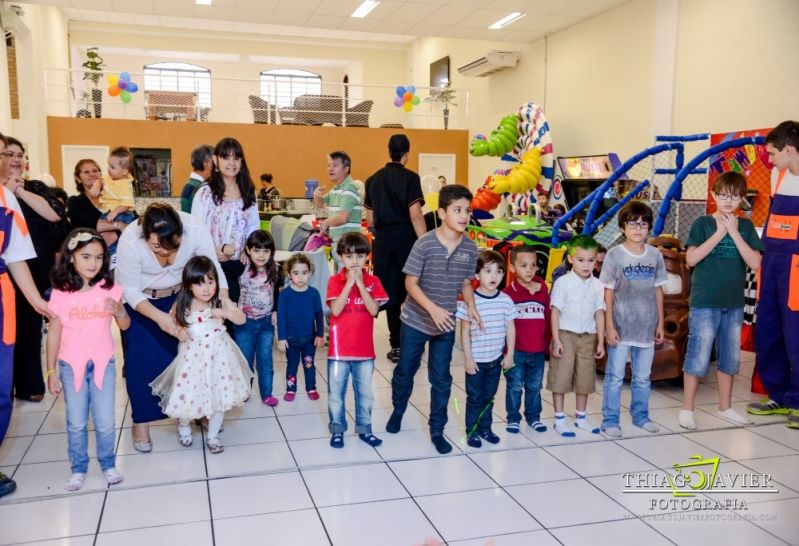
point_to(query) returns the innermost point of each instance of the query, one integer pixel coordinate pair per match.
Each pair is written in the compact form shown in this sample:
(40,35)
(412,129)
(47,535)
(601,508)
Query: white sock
(561,427)
(215,423)
(687,420)
(584,423)
(731,415)
(75,481)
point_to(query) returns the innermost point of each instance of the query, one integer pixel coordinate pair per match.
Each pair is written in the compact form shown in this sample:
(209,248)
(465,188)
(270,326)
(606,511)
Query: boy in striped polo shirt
(343,202)
(483,349)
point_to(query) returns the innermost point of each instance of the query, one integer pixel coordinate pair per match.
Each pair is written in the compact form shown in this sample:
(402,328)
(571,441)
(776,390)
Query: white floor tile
(776,517)
(640,504)
(458,435)
(197,534)
(25,424)
(153,506)
(13,449)
(74,515)
(48,479)
(317,452)
(779,433)
(297,528)
(161,468)
(630,532)
(410,421)
(250,459)
(441,475)
(740,443)
(409,444)
(85,540)
(301,404)
(539,538)
(664,450)
(374,523)
(781,469)
(353,484)
(306,426)
(252,495)
(598,459)
(23,406)
(522,466)
(258,430)
(693,528)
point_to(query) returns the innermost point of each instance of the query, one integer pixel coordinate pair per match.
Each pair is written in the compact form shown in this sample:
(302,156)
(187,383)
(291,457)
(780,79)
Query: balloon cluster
(121,86)
(406,98)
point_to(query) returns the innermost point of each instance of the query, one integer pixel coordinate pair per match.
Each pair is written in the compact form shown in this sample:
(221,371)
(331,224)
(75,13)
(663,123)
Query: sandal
(142,446)
(185,437)
(214,445)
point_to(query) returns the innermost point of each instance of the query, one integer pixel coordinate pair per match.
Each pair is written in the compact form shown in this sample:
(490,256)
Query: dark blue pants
(412,344)
(300,350)
(527,373)
(481,388)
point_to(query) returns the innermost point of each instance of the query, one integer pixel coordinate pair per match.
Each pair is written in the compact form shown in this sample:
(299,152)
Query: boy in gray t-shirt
(633,274)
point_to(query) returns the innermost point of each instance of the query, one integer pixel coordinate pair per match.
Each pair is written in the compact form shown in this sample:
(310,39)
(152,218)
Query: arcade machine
(582,175)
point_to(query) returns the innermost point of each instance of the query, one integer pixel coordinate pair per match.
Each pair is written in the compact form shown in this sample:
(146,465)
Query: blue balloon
(411,89)
(132,88)
(400,90)
(125,76)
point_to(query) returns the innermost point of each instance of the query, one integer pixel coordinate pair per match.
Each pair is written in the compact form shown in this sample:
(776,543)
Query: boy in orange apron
(777,333)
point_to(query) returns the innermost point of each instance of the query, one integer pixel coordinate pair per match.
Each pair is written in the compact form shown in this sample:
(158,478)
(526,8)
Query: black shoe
(370,439)
(337,440)
(474,441)
(7,485)
(394,423)
(393,355)
(442,446)
(489,437)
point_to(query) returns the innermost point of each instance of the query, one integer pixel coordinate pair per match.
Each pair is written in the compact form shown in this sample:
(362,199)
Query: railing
(230,100)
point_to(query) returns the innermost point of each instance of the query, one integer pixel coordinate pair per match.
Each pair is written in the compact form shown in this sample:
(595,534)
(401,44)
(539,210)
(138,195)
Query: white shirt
(790,183)
(578,300)
(20,245)
(138,269)
(227,222)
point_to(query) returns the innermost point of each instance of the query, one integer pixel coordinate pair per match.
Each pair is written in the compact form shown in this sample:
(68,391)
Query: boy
(719,248)
(354,297)
(117,187)
(483,349)
(343,202)
(441,265)
(531,298)
(778,309)
(633,276)
(578,331)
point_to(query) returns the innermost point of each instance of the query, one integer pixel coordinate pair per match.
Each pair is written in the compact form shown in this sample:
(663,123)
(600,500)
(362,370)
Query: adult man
(202,164)
(393,204)
(343,202)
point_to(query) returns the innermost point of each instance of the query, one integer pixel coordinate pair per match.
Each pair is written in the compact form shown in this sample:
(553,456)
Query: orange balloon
(114,90)
(408,97)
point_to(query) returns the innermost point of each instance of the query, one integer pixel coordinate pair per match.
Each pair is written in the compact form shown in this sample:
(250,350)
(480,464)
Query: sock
(442,446)
(649,426)
(561,427)
(215,423)
(583,423)
(75,481)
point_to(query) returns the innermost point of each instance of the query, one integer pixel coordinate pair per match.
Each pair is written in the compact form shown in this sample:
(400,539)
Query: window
(179,77)
(283,85)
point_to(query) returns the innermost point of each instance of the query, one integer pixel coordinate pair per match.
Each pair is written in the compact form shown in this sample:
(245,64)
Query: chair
(358,115)
(182,105)
(262,111)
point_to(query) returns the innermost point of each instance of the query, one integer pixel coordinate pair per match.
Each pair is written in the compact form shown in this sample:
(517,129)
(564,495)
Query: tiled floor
(278,481)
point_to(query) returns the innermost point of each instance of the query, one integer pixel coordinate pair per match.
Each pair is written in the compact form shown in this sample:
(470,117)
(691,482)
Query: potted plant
(447,96)
(94,64)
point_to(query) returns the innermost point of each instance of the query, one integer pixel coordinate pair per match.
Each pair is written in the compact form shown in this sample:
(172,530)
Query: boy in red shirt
(531,298)
(354,297)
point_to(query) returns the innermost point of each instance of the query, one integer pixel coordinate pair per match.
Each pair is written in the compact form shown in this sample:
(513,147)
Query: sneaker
(513,428)
(313,395)
(734,417)
(271,401)
(393,355)
(474,441)
(586,424)
(7,485)
(370,439)
(613,431)
(337,440)
(538,426)
(767,407)
(489,436)
(75,481)
(289,396)
(686,419)
(442,445)
(214,445)
(562,428)
(113,476)
(793,419)
(394,423)
(185,437)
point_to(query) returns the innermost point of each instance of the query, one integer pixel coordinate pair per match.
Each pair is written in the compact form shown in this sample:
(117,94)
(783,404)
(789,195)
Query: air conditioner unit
(493,61)
(10,20)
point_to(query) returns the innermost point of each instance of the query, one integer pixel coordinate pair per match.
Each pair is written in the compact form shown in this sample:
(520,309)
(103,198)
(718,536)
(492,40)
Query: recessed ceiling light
(364,9)
(508,19)
(203,2)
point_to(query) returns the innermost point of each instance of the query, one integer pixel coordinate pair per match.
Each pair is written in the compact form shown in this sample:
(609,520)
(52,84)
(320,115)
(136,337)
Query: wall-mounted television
(439,75)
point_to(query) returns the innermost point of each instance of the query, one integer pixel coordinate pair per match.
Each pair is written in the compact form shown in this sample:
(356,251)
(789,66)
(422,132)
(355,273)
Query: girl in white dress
(210,375)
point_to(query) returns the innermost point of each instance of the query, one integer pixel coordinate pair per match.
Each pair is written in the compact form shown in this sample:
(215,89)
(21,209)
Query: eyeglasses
(638,225)
(728,197)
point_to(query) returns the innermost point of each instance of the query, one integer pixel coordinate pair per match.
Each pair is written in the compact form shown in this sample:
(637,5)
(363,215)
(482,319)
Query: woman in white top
(150,259)
(227,205)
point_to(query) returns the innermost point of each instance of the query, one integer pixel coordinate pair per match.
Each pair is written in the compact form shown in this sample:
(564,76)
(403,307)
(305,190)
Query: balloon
(113,79)
(430,183)
(132,87)
(415,100)
(114,91)
(407,106)
(122,84)
(411,89)
(125,96)
(431,200)
(125,76)
(398,102)
(408,96)
(400,90)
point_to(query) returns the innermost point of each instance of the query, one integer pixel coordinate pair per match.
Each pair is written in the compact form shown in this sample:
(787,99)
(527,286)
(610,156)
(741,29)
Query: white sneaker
(734,417)
(687,420)
(75,481)
(112,476)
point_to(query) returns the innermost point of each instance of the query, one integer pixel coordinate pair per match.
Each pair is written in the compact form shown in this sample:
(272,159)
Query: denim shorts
(706,326)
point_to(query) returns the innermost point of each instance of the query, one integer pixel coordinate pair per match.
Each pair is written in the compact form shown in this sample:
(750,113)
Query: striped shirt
(495,312)
(345,196)
(441,277)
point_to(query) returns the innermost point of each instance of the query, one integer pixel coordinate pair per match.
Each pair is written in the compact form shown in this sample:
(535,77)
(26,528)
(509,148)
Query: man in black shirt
(393,204)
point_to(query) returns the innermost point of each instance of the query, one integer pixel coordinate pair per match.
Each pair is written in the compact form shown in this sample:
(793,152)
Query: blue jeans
(481,387)
(338,372)
(300,350)
(707,325)
(412,343)
(101,404)
(123,217)
(254,338)
(527,372)
(640,384)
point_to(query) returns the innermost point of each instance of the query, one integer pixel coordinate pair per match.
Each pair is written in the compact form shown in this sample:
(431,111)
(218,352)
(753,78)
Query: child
(633,276)
(300,325)
(210,375)
(116,189)
(483,347)
(440,267)
(530,296)
(720,247)
(578,335)
(776,342)
(260,284)
(354,297)
(84,298)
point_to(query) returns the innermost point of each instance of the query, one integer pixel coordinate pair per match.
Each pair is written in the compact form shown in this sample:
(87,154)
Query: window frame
(298,82)
(200,75)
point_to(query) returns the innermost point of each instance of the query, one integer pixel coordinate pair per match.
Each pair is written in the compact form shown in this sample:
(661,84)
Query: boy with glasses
(719,249)
(633,275)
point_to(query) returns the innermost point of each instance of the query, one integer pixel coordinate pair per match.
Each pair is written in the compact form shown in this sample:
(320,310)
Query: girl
(210,375)
(260,284)
(84,299)
(300,325)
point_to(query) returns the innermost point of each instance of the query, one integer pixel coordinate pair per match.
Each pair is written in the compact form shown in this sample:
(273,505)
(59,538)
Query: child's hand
(111,216)
(557,348)
(183,334)
(721,225)
(274,319)
(470,365)
(474,317)
(612,336)
(359,277)
(282,345)
(600,351)
(659,334)
(507,362)
(112,306)
(319,341)
(352,277)
(54,384)
(730,223)
(443,319)
(219,314)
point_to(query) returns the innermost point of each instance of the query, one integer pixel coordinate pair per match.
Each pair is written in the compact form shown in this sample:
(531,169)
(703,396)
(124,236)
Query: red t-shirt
(532,317)
(351,333)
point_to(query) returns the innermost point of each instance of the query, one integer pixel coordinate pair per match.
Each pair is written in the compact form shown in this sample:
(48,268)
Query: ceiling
(392,21)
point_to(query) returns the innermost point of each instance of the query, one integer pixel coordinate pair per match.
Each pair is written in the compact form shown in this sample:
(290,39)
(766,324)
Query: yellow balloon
(431,200)
(407,106)
(113,79)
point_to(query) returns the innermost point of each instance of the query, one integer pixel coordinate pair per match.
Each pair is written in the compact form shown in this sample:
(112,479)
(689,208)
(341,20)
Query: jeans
(254,338)
(300,350)
(706,326)
(481,387)
(640,384)
(412,343)
(126,217)
(101,404)
(338,372)
(527,373)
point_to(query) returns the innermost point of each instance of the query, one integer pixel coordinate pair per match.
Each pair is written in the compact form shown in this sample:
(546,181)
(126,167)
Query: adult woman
(151,256)
(83,209)
(46,219)
(227,205)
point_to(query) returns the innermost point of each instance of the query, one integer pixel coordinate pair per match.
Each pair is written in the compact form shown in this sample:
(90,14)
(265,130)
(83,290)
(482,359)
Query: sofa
(321,109)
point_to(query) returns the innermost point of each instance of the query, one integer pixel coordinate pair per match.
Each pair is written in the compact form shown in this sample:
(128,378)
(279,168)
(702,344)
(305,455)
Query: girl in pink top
(84,300)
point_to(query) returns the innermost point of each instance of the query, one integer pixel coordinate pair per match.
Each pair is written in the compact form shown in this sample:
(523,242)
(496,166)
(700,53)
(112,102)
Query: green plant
(446,95)
(95,64)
